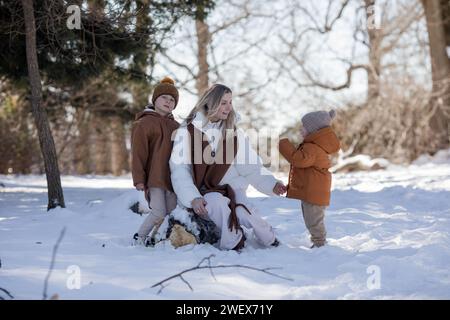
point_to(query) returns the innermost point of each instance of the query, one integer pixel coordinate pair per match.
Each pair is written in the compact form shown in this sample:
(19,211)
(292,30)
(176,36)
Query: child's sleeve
(301,158)
(139,154)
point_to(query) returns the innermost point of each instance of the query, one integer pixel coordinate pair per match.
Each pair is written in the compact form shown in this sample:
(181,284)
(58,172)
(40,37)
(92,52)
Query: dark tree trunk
(55,192)
(119,153)
(82,156)
(440,68)
(102,151)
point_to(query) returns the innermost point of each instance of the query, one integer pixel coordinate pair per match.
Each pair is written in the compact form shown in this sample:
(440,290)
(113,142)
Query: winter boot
(241,243)
(275,243)
(141,241)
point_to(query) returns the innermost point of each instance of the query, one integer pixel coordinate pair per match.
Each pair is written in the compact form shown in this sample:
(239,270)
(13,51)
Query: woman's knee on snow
(215,201)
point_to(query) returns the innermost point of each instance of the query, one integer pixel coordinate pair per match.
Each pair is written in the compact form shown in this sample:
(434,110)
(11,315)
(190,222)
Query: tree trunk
(203,38)
(373,74)
(440,63)
(119,154)
(445,9)
(55,192)
(82,156)
(101,152)
(440,69)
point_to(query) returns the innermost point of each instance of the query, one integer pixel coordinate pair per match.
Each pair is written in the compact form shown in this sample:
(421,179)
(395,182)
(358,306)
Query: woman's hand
(279,189)
(198,205)
(140,187)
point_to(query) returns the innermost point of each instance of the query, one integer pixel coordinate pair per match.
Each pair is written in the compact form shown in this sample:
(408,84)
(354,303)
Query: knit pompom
(332,113)
(168,80)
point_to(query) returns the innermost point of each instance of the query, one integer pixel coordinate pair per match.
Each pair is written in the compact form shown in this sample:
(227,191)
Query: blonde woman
(212,164)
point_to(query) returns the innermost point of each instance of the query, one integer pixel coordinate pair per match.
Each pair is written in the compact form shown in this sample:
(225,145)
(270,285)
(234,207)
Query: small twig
(161,289)
(210,269)
(206,258)
(199,267)
(52,263)
(7,292)
(187,283)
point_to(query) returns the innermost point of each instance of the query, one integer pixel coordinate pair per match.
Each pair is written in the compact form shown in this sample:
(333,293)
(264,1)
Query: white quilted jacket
(240,174)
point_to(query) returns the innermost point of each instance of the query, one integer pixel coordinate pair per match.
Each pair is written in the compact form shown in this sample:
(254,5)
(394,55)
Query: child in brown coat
(309,178)
(151,147)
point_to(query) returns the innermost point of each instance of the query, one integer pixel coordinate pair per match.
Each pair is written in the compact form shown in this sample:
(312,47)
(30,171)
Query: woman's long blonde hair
(210,102)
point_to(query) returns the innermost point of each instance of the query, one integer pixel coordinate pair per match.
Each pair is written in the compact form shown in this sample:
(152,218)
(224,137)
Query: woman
(212,164)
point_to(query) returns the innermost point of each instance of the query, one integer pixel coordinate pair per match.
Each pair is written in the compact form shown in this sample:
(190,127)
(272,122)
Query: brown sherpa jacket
(151,147)
(309,178)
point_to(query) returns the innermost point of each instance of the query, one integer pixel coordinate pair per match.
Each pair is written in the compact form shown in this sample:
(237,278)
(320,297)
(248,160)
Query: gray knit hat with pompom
(317,120)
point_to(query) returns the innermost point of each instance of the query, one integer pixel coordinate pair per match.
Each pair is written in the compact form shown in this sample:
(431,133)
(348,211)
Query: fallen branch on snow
(7,292)
(52,263)
(208,259)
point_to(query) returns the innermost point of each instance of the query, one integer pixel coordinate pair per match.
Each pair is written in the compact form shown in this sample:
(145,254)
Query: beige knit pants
(314,220)
(162,202)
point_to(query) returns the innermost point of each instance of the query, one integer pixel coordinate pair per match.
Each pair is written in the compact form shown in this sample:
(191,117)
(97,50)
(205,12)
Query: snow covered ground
(388,234)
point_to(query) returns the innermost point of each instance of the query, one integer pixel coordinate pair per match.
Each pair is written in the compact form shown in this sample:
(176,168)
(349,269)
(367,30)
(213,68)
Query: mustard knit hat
(166,86)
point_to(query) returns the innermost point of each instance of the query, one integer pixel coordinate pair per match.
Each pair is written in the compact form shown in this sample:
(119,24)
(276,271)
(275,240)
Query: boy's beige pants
(314,220)
(162,202)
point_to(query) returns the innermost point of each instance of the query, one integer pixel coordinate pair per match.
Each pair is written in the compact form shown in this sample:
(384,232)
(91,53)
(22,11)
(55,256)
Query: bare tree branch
(52,263)
(255,88)
(327,26)
(7,293)
(179,64)
(199,266)
(245,15)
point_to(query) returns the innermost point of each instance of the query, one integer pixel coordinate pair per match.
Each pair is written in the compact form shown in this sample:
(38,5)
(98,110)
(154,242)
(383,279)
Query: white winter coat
(242,171)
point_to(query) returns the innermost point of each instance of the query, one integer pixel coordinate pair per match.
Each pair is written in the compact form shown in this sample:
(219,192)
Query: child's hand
(279,189)
(140,187)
